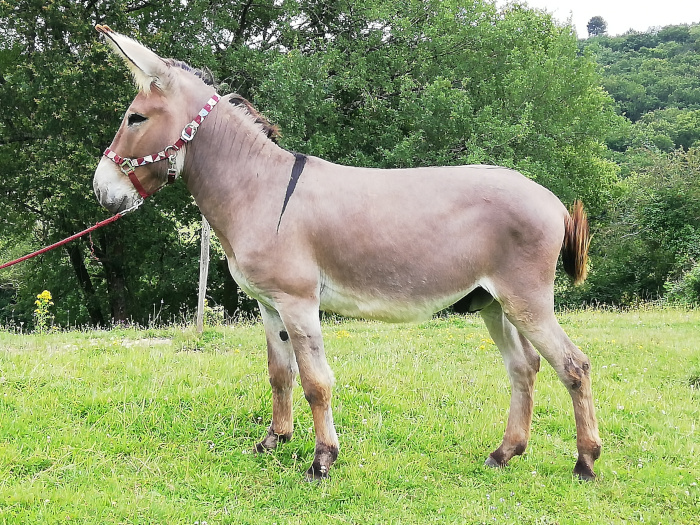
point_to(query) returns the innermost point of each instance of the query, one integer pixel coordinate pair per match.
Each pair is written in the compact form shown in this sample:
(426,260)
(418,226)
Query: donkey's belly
(382,305)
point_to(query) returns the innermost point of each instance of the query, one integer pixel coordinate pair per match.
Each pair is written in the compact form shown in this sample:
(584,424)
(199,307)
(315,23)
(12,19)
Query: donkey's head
(149,147)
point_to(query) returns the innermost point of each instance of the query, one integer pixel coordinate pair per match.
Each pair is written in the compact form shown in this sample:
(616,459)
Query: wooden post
(203,273)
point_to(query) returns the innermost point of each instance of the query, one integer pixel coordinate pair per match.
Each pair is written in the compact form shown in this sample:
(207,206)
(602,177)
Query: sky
(621,15)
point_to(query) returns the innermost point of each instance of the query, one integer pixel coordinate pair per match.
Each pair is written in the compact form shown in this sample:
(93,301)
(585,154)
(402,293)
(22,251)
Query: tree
(430,83)
(378,83)
(597,26)
(651,242)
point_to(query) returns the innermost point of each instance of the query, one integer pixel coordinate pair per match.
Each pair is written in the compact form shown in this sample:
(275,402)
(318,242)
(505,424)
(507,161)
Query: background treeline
(391,83)
(647,242)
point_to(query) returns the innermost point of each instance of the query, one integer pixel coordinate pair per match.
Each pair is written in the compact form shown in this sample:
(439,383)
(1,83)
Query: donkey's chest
(246,284)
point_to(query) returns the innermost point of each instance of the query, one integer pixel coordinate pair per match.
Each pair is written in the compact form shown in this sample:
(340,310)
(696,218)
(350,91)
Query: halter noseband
(129,165)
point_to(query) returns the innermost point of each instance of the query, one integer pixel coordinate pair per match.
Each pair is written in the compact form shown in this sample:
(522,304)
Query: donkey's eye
(135,118)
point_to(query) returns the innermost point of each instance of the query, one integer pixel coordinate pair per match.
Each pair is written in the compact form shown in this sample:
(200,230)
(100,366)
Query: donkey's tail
(577,238)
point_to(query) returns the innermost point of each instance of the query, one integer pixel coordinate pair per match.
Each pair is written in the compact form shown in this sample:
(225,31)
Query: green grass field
(156,426)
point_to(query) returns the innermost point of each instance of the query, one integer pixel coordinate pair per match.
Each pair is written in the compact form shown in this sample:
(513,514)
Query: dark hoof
(324,457)
(584,471)
(490,462)
(317,473)
(271,441)
(498,458)
(262,447)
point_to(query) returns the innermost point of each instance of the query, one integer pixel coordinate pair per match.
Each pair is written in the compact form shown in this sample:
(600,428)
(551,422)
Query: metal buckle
(127,166)
(189,135)
(172,170)
(172,163)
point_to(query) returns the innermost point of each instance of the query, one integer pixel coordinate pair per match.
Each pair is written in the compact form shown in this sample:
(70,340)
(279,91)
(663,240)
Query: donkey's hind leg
(522,363)
(573,367)
(282,367)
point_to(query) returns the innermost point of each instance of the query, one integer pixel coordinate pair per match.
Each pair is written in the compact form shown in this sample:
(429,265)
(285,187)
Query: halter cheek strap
(129,165)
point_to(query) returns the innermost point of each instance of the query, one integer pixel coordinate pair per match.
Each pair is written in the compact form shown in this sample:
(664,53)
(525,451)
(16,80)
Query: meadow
(131,426)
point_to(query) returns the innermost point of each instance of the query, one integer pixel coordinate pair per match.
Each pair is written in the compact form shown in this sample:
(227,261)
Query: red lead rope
(69,239)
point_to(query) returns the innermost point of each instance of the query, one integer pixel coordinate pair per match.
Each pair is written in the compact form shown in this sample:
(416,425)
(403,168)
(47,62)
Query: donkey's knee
(318,391)
(282,376)
(316,379)
(526,366)
(576,371)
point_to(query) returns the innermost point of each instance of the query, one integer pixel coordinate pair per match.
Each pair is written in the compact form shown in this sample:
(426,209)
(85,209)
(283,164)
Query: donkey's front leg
(302,321)
(282,367)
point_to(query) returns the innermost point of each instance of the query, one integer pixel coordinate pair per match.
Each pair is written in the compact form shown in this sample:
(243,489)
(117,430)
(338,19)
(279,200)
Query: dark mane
(204,74)
(271,130)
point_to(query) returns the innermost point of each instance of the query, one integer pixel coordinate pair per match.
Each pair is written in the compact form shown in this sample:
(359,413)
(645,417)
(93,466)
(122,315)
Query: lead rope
(72,237)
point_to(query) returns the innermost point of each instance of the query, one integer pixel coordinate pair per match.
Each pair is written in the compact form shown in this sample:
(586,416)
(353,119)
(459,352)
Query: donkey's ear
(146,67)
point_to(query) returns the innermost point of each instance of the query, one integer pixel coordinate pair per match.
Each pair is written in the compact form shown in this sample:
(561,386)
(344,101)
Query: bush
(686,289)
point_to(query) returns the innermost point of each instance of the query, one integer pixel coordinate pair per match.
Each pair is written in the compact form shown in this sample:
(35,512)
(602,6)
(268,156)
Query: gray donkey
(303,234)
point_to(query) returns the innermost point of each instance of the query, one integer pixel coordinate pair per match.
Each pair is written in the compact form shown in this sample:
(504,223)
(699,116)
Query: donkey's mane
(204,74)
(271,130)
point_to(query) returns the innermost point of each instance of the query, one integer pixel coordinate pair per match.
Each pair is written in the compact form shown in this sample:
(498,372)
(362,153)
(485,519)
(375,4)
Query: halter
(129,165)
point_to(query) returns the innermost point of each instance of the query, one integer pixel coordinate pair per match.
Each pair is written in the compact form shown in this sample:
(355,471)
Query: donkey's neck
(233,170)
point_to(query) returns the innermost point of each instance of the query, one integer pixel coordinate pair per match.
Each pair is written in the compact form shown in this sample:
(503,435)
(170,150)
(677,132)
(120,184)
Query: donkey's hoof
(587,477)
(271,441)
(317,472)
(490,462)
(584,471)
(261,447)
(324,457)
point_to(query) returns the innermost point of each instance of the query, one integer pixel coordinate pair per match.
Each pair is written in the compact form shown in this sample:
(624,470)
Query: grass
(155,426)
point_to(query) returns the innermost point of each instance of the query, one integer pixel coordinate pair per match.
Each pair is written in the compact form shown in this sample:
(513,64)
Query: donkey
(302,234)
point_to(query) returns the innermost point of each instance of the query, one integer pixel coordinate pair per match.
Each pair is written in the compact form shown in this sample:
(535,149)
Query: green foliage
(672,128)
(650,71)
(686,289)
(646,239)
(213,315)
(650,242)
(393,83)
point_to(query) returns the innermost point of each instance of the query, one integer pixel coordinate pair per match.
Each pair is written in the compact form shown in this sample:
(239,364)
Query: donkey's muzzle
(112,188)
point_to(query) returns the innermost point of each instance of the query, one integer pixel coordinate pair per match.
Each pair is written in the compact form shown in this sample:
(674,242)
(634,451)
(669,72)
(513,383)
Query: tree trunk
(116,286)
(75,253)
(230,299)
(110,256)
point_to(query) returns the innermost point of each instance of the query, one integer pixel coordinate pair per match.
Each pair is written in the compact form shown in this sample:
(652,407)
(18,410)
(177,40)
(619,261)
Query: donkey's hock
(302,234)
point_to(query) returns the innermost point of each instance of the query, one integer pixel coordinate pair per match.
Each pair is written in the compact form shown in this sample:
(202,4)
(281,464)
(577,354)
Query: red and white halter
(128,165)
